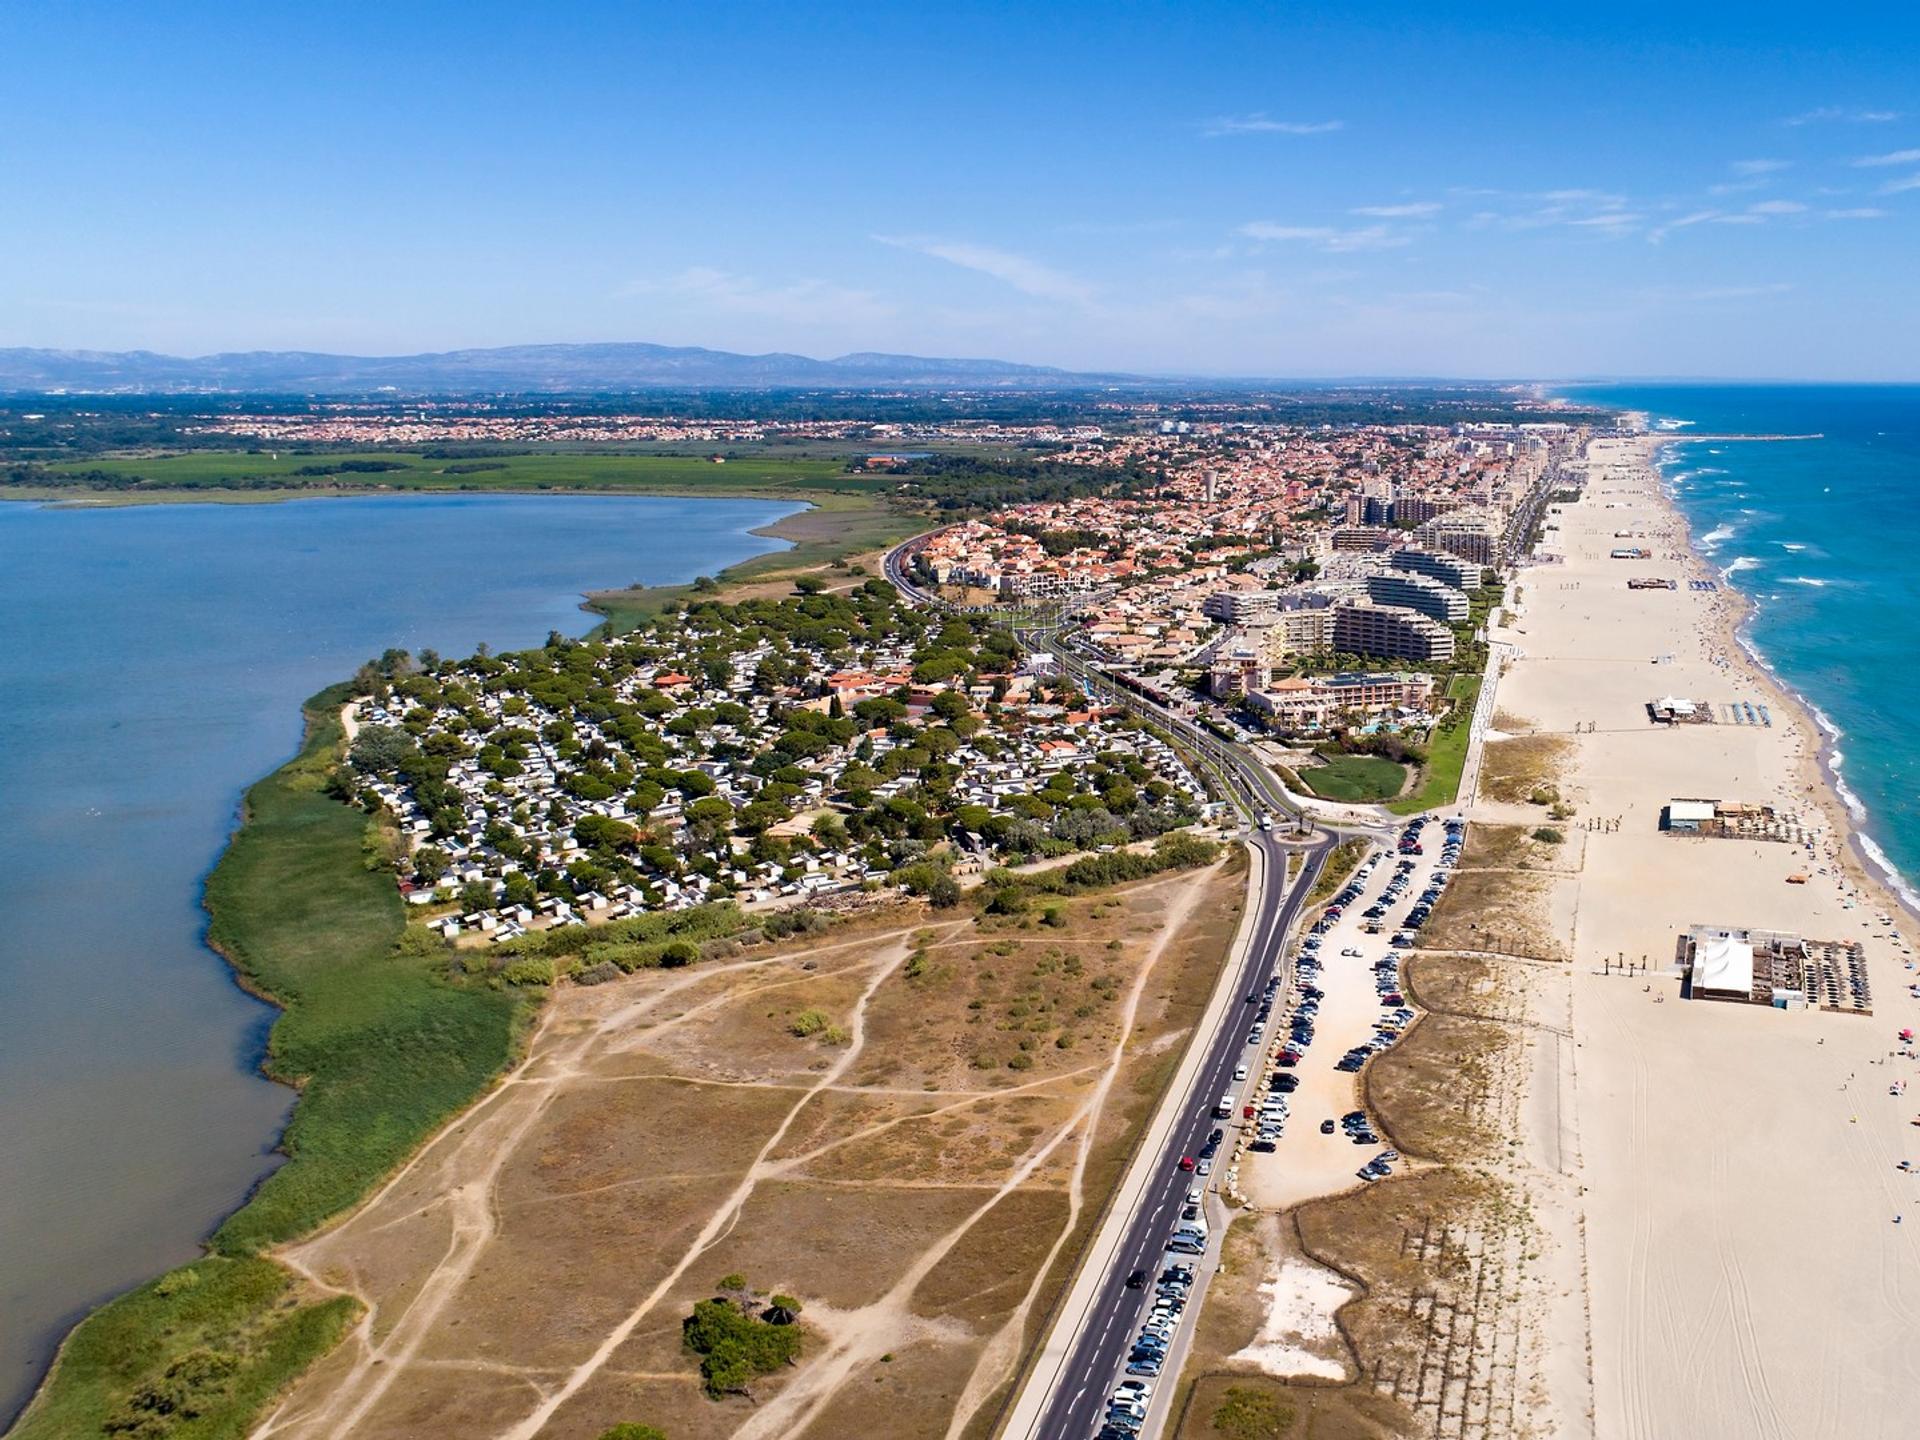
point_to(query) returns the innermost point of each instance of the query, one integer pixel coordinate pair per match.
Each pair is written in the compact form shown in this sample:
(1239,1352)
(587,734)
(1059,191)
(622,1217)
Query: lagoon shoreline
(43,1350)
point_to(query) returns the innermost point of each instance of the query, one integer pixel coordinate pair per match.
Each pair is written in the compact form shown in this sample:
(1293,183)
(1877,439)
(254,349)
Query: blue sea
(152,664)
(1824,537)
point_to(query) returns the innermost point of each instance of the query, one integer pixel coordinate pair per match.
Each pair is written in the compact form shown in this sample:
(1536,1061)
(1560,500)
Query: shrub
(190,1386)
(529,972)
(1247,1414)
(808,1022)
(734,1346)
(1547,835)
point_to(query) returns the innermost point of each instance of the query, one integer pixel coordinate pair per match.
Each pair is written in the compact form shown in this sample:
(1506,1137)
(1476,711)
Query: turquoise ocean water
(1823,536)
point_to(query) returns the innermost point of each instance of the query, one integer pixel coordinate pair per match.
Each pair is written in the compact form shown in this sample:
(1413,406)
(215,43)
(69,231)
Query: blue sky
(1274,189)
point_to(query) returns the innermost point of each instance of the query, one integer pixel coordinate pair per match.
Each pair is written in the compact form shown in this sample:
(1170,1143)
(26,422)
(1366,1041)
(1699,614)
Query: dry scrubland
(909,1126)
(1458,1283)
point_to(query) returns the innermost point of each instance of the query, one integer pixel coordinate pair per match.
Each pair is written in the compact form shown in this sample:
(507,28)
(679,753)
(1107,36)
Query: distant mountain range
(518,369)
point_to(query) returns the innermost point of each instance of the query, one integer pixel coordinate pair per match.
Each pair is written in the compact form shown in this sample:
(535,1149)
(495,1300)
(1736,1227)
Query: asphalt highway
(1076,1408)
(1078,1405)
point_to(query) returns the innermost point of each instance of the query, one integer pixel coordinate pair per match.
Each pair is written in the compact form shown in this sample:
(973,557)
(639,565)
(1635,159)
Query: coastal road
(1084,1354)
(1084,1351)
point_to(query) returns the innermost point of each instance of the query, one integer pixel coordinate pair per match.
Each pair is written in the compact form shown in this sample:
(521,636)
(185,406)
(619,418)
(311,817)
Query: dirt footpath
(906,1126)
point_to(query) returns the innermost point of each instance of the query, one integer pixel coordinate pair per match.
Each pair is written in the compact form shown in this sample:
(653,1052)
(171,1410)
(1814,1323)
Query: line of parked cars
(1127,1405)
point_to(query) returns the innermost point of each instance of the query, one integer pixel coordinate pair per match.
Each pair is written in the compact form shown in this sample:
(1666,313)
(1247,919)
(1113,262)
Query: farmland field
(411,470)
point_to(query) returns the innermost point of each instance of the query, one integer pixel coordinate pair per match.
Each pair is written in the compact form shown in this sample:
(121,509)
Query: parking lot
(1288,1125)
(1308,1135)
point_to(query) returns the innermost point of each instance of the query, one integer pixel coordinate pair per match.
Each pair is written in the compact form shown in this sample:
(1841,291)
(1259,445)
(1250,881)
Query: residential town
(774,752)
(766,752)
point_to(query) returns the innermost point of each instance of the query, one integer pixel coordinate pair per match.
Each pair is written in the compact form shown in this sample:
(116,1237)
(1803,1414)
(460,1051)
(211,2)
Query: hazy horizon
(1212,190)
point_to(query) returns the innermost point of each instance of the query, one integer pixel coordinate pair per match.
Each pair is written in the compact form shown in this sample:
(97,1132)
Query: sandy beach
(1752,1248)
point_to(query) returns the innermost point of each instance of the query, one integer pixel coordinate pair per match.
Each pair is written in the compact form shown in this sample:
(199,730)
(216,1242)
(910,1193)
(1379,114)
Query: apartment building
(1363,628)
(1447,569)
(1419,594)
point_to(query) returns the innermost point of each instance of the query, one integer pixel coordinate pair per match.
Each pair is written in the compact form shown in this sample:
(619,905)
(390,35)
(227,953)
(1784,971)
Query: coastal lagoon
(152,663)
(1822,536)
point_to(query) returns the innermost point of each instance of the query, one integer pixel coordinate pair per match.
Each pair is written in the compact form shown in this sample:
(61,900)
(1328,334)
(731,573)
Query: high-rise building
(1363,628)
(1472,534)
(1240,607)
(1447,569)
(1418,509)
(1418,593)
(1299,632)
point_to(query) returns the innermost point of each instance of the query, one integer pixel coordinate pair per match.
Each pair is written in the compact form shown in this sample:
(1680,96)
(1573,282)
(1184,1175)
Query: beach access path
(1753,1249)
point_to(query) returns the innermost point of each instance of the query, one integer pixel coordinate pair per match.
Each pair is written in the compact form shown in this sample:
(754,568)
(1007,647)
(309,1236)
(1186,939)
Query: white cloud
(1858,212)
(1776,207)
(1029,277)
(1259,123)
(1759,167)
(1900,187)
(1326,237)
(1608,220)
(1694,217)
(1828,113)
(1895,157)
(1731,292)
(1587,197)
(1412,210)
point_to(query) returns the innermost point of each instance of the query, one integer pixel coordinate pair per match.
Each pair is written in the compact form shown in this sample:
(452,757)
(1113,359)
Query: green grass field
(1446,752)
(220,1336)
(838,528)
(383,1047)
(384,1050)
(1355,779)
(598,472)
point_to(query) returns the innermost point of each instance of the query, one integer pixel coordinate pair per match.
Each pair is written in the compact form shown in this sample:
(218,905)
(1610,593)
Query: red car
(1186,1162)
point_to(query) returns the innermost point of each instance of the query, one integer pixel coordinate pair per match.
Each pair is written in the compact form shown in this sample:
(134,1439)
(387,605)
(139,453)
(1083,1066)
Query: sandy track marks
(491,1133)
(880,1127)
(1002,1349)
(722,1220)
(476,1220)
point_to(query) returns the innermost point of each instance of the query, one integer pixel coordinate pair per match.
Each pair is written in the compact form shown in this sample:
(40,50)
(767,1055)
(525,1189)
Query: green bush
(808,1022)
(734,1346)
(529,972)
(1248,1414)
